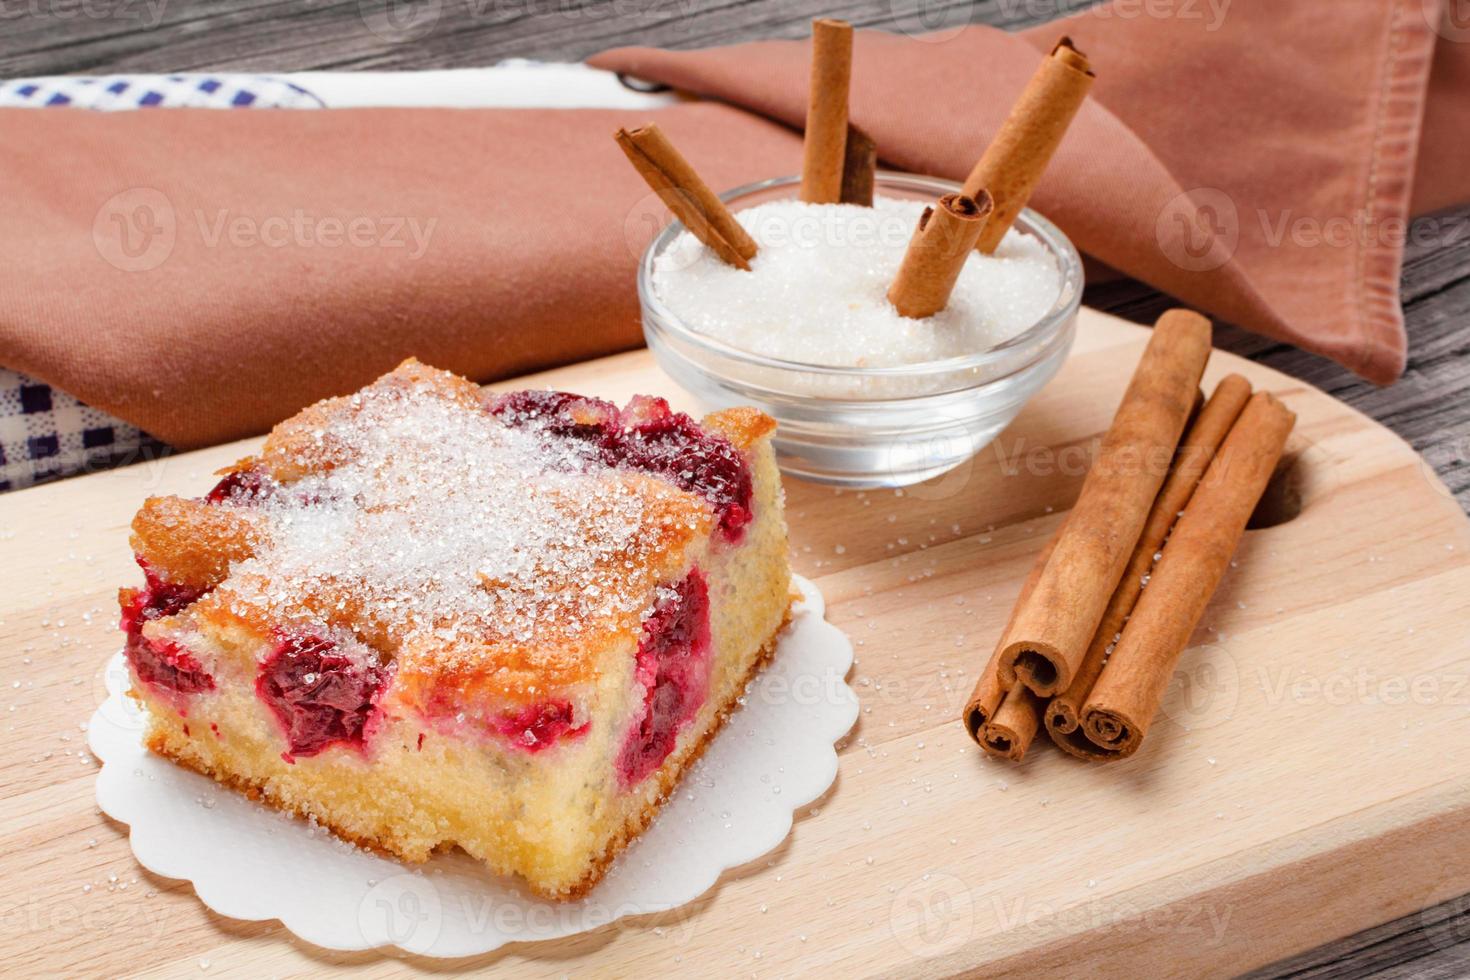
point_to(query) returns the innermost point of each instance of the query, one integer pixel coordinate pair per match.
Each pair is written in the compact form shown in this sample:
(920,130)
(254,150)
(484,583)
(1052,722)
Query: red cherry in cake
(539,726)
(529,728)
(167,667)
(155,600)
(560,413)
(162,664)
(646,436)
(241,487)
(672,445)
(673,666)
(320,695)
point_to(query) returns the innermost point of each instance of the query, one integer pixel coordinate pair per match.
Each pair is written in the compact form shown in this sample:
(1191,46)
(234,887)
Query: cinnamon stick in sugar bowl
(865,319)
(1110,608)
(684,193)
(1016,158)
(825,148)
(936,255)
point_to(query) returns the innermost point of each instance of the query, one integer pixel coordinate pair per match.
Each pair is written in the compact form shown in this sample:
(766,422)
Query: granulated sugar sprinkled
(816,292)
(443,527)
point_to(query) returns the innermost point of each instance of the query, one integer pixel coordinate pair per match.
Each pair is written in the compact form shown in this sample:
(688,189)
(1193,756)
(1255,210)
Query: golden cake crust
(192,543)
(743,426)
(516,636)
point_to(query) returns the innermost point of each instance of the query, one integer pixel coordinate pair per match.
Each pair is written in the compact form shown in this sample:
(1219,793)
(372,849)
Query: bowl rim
(1038,335)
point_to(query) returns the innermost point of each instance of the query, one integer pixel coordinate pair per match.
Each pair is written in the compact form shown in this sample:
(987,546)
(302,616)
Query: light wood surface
(1307,780)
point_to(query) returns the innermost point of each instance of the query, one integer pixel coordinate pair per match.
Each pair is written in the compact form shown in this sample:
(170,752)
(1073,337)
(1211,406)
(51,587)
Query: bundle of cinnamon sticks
(839,165)
(1112,600)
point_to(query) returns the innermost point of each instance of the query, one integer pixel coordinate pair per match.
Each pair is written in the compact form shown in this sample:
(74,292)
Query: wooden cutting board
(1308,778)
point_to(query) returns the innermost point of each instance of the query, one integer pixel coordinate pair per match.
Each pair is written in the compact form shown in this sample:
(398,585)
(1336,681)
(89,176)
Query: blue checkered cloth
(45,433)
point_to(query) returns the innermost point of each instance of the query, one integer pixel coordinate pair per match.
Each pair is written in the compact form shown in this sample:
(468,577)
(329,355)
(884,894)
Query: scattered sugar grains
(816,292)
(456,531)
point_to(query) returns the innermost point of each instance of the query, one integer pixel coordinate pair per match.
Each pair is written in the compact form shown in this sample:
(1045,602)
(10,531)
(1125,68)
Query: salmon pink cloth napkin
(204,274)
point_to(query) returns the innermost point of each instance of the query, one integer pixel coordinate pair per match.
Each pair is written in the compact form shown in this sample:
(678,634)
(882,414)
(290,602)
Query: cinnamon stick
(826,114)
(859,168)
(1010,732)
(1055,627)
(1118,712)
(685,194)
(1196,451)
(944,239)
(1013,162)
(985,703)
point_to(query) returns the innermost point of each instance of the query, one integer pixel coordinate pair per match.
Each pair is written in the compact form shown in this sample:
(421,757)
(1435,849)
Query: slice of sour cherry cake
(428,616)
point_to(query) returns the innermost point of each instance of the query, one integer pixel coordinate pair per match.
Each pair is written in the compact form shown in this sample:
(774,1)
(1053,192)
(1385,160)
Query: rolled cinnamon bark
(1196,451)
(826,115)
(1118,712)
(985,700)
(685,194)
(859,168)
(1013,162)
(943,241)
(1014,726)
(1055,627)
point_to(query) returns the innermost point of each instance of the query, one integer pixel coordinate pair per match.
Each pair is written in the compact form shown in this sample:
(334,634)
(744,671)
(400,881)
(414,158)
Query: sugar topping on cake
(478,553)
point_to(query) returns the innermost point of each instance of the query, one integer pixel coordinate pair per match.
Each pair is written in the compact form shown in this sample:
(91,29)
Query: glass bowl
(870,427)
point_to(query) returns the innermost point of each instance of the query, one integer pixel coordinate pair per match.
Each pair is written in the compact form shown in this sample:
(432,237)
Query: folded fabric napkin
(204,274)
(46,433)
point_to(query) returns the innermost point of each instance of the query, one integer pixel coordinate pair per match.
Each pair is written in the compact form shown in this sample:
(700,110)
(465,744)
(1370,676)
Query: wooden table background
(1427,407)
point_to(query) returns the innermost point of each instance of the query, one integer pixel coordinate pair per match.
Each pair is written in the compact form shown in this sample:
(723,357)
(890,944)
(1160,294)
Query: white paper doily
(247,861)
